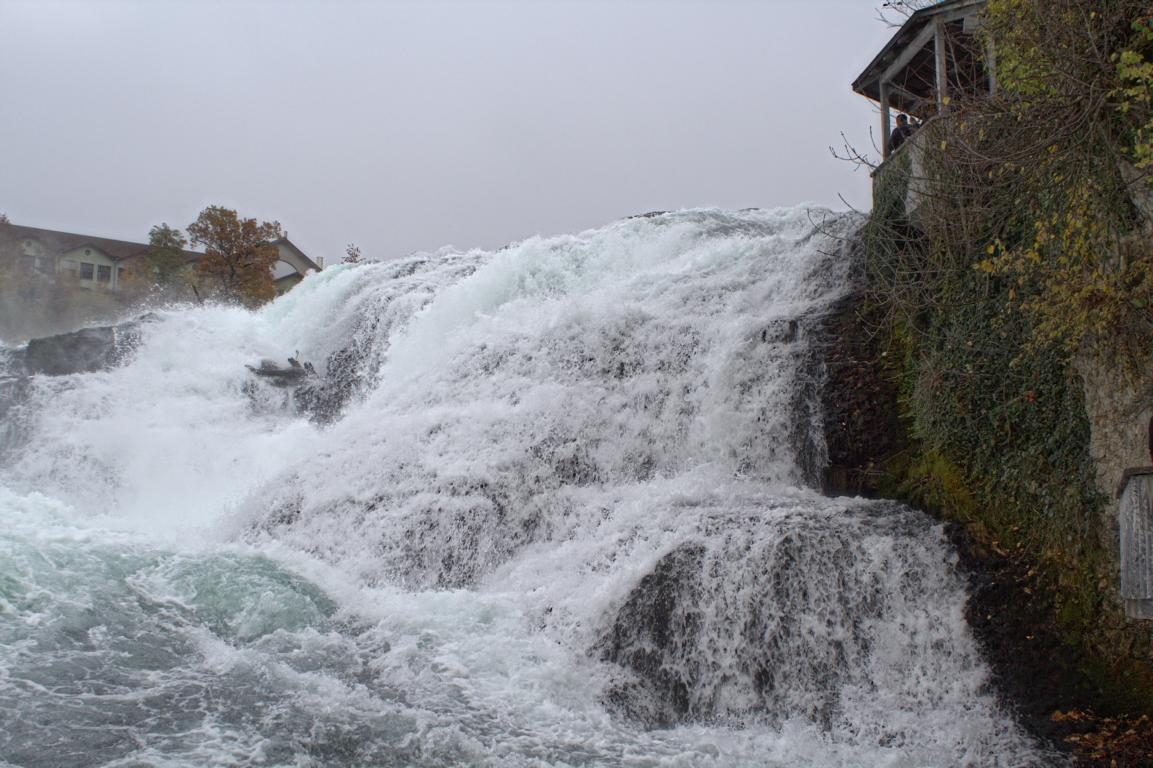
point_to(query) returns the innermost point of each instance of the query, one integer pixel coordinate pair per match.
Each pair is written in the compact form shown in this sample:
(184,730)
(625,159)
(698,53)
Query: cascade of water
(548,505)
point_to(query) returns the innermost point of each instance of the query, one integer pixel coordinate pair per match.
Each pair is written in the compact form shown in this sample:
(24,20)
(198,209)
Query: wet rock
(655,628)
(861,423)
(324,397)
(291,375)
(319,396)
(85,351)
(773,618)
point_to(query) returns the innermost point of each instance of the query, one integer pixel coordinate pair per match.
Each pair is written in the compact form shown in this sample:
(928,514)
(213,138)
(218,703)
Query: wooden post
(942,65)
(1136,523)
(991,64)
(885,126)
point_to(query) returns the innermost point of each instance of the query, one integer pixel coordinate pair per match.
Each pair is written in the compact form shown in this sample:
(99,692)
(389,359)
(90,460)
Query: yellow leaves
(1134,97)
(995,263)
(1065,274)
(1041,172)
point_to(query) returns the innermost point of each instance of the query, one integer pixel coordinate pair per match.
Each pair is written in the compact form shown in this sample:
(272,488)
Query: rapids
(551,505)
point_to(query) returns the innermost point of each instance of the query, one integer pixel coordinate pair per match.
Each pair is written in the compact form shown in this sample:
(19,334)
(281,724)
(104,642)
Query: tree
(351,255)
(166,253)
(161,268)
(239,255)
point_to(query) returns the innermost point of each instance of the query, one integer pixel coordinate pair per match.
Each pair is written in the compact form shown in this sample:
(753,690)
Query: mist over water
(545,506)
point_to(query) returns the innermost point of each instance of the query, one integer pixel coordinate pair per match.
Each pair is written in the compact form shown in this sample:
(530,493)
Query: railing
(901,178)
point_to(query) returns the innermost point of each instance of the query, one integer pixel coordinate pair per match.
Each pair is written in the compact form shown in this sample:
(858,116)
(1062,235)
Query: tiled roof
(57,243)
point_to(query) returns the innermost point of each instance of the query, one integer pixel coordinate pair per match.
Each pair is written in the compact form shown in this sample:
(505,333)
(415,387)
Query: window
(104,274)
(86,270)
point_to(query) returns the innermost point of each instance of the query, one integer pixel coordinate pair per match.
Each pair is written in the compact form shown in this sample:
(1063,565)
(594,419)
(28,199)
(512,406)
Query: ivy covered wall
(1010,318)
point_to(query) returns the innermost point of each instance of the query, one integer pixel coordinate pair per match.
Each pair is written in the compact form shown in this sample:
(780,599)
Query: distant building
(292,265)
(101,262)
(98,262)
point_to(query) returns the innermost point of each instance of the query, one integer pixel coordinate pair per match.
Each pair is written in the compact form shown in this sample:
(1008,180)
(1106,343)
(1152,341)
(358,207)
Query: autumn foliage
(1077,153)
(239,255)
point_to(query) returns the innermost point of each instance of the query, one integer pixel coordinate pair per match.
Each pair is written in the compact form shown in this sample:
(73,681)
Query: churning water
(548,506)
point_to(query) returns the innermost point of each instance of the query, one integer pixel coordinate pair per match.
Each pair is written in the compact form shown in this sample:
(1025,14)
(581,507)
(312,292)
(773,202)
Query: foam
(540,457)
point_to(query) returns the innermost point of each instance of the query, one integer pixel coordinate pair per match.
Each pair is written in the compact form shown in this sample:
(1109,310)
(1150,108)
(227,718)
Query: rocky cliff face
(862,427)
(1119,403)
(1050,629)
(83,351)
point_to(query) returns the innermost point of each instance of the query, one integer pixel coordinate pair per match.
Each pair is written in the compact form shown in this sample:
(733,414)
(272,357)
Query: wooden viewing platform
(936,54)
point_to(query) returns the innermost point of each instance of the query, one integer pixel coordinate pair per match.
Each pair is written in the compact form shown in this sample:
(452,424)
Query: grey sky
(404,125)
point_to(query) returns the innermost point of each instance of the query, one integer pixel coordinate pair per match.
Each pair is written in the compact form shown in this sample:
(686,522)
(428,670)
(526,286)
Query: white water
(562,519)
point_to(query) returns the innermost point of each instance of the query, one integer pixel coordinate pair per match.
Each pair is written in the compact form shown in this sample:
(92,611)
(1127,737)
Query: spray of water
(550,505)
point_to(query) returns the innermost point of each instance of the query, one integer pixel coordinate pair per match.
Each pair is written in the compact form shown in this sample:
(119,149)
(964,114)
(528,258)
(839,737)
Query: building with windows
(101,262)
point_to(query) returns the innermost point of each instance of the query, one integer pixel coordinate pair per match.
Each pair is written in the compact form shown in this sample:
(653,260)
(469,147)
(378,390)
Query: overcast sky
(405,125)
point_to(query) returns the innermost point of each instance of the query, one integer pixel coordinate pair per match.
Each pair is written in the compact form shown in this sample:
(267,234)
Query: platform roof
(907,59)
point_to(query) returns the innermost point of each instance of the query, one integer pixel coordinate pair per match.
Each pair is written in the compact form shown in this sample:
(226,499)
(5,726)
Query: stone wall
(1119,404)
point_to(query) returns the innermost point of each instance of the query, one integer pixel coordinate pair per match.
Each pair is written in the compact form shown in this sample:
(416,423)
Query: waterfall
(549,505)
